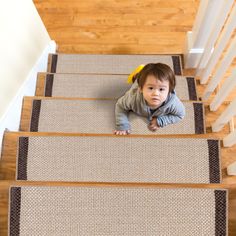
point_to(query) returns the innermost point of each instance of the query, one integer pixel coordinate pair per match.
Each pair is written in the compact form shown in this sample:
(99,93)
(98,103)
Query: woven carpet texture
(117,211)
(105,86)
(118,159)
(97,116)
(109,64)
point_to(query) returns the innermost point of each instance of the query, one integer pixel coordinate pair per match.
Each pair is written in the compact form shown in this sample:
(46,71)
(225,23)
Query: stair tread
(197,136)
(114,210)
(78,115)
(118,159)
(101,86)
(108,64)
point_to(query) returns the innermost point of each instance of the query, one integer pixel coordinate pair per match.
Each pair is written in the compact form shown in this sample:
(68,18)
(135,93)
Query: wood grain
(116,27)
(40,86)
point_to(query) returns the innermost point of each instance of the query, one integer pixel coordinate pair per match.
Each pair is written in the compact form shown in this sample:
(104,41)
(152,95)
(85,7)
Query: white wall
(24,47)
(23,38)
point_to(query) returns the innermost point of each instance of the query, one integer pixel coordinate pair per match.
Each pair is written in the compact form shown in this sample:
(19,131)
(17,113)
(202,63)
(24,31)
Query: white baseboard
(11,118)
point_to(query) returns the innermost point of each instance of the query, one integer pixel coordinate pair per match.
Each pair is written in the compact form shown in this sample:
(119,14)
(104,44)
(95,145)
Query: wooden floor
(118,27)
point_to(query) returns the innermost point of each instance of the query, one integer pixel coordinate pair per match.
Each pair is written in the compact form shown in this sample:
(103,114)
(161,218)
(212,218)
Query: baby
(152,95)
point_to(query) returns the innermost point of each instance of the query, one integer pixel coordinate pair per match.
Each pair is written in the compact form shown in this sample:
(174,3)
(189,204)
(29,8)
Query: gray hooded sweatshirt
(170,112)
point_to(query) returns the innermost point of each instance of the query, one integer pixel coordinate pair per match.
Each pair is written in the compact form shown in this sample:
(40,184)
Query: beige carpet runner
(117,208)
(117,211)
(97,116)
(104,86)
(108,64)
(118,159)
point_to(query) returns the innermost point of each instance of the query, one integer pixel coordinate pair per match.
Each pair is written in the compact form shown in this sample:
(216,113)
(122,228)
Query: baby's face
(155,91)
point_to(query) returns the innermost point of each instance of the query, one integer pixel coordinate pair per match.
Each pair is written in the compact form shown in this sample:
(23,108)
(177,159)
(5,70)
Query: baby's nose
(156,92)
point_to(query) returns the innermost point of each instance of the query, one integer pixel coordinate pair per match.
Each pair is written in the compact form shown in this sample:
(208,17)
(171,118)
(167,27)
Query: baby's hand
(121,132)
(153,126)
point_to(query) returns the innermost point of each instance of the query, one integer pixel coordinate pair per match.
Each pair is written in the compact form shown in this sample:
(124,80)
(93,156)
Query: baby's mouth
(155,99)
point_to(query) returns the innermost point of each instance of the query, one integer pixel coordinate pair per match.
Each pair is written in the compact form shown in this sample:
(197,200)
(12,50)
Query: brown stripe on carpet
(199,118)
(23,145)
(49,85)
(214,161)
(114,210)
(36,107)
(221,213)
(177,65)
(15,210)
(54,63)
(192,88)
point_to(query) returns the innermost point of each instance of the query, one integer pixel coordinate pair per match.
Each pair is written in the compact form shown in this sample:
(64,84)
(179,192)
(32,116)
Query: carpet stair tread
(35,210)
(96,158)
(108,64)
(97,116)
(101,86)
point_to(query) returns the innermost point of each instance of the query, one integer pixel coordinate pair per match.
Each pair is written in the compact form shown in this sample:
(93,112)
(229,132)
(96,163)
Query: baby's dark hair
(160,71)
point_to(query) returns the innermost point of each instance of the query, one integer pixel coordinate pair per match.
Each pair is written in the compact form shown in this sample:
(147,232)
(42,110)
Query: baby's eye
(162,89)
(151,88)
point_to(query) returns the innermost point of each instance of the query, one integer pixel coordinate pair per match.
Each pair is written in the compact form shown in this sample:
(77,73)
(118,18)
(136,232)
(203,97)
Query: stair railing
(220,19)
(216,58)
(223,40)
(220,71)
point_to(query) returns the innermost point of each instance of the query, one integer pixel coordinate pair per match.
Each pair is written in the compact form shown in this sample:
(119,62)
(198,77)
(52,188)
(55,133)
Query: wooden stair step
(110,158)
(108,64)
(116,210)
(101,86)
(97,116)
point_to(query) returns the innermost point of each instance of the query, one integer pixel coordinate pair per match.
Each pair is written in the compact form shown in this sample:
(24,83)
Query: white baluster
(222,16)
(230,139)
(197,39)
(229,55)
(229,112)
(224,91)
(222,41)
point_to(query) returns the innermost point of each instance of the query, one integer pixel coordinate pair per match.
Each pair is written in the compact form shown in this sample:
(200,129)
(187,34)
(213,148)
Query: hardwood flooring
(116,27)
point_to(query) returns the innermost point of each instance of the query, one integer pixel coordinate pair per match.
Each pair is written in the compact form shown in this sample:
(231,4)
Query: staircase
(74,177)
